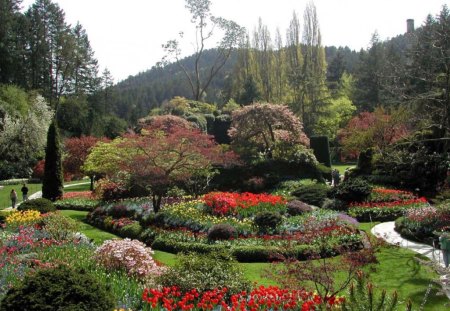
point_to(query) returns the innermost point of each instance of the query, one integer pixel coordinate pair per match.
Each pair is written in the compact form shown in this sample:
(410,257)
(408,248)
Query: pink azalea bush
(131,255)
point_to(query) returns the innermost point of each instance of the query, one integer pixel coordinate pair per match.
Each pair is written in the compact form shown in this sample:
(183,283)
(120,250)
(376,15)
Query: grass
(99,236)
(341,167)
(82,187)
(5,201)
(397,269)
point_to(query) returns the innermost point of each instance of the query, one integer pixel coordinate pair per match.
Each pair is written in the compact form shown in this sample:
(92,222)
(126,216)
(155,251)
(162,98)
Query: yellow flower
(23,217)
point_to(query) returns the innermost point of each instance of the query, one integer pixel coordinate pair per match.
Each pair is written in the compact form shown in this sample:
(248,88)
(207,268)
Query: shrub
(221,232)
(296,207)
(41,205)
(77,204)
(321,148)
(148,236)
(313,194)
(120,211)
(131,255)
(205,272)
(352,190)
(132,231)
(334,204)
(267,222)
(61,288)
(59,227)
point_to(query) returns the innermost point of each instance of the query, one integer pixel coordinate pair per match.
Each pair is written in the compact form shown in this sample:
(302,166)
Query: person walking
(13,196)
(24,192)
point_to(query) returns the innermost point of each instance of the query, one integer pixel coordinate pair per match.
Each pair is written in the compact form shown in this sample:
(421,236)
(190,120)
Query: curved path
(386,231)
(38,194)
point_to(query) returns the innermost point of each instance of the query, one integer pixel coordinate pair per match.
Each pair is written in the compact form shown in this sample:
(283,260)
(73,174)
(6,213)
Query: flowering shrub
(232,203)
(260,298)
(131,255)
(19,218)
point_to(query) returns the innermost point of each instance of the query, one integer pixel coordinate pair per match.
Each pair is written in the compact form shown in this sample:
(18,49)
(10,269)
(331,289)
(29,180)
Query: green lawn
(83,187)
(5,191)
(342,167)
(91,232)
(5,200)
(397,269)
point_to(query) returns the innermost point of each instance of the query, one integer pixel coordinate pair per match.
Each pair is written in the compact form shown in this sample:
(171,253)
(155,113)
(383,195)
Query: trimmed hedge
(41,205)
(258,253)
(77,204)
(321,148)
(313,194)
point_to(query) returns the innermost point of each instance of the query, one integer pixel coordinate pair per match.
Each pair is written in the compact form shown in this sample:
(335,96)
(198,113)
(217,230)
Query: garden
(177,222)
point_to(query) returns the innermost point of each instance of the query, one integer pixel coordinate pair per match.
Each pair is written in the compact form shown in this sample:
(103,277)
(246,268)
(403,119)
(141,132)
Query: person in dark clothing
(24,192)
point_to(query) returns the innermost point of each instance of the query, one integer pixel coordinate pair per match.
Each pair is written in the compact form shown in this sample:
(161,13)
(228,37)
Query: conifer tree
(52,185)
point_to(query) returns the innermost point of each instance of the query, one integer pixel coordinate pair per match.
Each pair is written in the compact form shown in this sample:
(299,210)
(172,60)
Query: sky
(127,36)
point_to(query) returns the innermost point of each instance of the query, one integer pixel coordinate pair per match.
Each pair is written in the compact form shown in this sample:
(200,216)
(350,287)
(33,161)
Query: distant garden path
(387,232)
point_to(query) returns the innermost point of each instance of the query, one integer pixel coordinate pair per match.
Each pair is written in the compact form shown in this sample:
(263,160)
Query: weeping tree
(53,182)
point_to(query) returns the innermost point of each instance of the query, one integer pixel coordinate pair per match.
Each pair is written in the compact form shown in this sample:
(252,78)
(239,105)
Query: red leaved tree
(76,151)
(163,156)
(376,129)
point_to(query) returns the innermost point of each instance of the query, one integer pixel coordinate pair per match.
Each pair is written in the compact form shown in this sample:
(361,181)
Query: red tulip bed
(386,205)
(260,298)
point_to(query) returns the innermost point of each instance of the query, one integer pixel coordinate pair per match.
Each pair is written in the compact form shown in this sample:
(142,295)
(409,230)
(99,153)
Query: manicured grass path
(397,269)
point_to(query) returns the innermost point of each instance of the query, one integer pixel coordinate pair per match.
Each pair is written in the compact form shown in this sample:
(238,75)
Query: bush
(321,148)
(148,236)
(120,211)
(267,222)
(334,204)
(41,205)
(61,288)
(313,194)
(132,231)
(221,232)
(296,207)
(131,255)
(352,190)
(205,272)
(76,204)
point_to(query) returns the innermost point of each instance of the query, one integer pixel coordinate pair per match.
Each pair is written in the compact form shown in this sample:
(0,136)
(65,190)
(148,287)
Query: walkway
(38,194)
(386,231)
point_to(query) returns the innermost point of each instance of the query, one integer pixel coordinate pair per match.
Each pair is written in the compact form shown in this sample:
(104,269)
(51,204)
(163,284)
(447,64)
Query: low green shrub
(334,204)
(132,231)
(205,272)
(148,236)
(60,288)
(267,222)
(312,194)
(221,232)
(76,204)
(41,205)
(352,190)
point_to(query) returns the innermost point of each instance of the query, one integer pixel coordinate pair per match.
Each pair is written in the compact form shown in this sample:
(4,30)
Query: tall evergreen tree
(53,182)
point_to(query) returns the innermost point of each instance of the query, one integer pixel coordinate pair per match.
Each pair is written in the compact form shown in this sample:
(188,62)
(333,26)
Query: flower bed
(243,204)
(260,298)
(385,210)
(423,224)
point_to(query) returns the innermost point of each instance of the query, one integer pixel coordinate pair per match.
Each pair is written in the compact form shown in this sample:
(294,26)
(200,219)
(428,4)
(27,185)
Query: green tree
(205,23)
(53,181)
